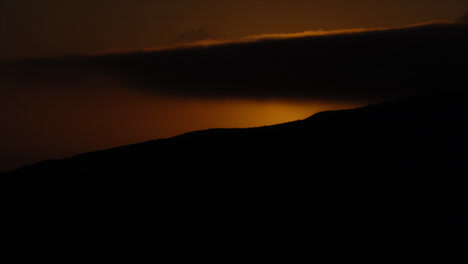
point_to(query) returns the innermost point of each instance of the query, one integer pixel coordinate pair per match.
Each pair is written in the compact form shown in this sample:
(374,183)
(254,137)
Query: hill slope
(399,219)
(424,132)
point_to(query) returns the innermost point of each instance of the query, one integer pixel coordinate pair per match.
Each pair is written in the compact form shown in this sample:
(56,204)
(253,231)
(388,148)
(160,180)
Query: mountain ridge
(417,214)
(438,124)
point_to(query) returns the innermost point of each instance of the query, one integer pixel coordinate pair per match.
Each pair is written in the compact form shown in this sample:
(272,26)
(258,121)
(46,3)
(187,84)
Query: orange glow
(35,29)
(247,39)
(260,37)
(44,124)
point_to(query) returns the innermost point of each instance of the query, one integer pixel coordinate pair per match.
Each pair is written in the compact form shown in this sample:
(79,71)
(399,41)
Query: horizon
(123,88)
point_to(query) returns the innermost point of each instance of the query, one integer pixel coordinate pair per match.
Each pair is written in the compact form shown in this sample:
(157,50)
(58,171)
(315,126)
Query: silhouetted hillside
(418,133)
(129,194)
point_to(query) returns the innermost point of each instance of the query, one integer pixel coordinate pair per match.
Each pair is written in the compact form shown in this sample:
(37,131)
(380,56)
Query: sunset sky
(52,27)
(109,93)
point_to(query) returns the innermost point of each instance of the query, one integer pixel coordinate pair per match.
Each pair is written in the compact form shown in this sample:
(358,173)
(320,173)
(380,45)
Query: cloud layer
(344,65)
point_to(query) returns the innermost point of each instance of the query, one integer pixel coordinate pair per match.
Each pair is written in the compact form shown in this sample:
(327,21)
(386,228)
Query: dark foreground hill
(414,216)
(427,132)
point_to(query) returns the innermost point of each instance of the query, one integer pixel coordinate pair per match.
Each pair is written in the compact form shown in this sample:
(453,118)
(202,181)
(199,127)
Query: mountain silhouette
(158,191)
(412,133)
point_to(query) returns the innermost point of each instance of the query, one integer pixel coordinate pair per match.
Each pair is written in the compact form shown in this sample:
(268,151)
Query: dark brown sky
(48,120)
(50,27)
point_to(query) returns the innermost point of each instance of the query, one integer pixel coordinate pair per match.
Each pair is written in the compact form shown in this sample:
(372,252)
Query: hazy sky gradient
(44,120)
(51,27)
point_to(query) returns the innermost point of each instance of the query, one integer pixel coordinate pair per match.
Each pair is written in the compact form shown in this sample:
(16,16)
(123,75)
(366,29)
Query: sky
(111,73)
(31,28)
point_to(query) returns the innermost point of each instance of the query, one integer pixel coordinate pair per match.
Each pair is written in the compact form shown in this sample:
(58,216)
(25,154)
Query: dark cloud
(378,64)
